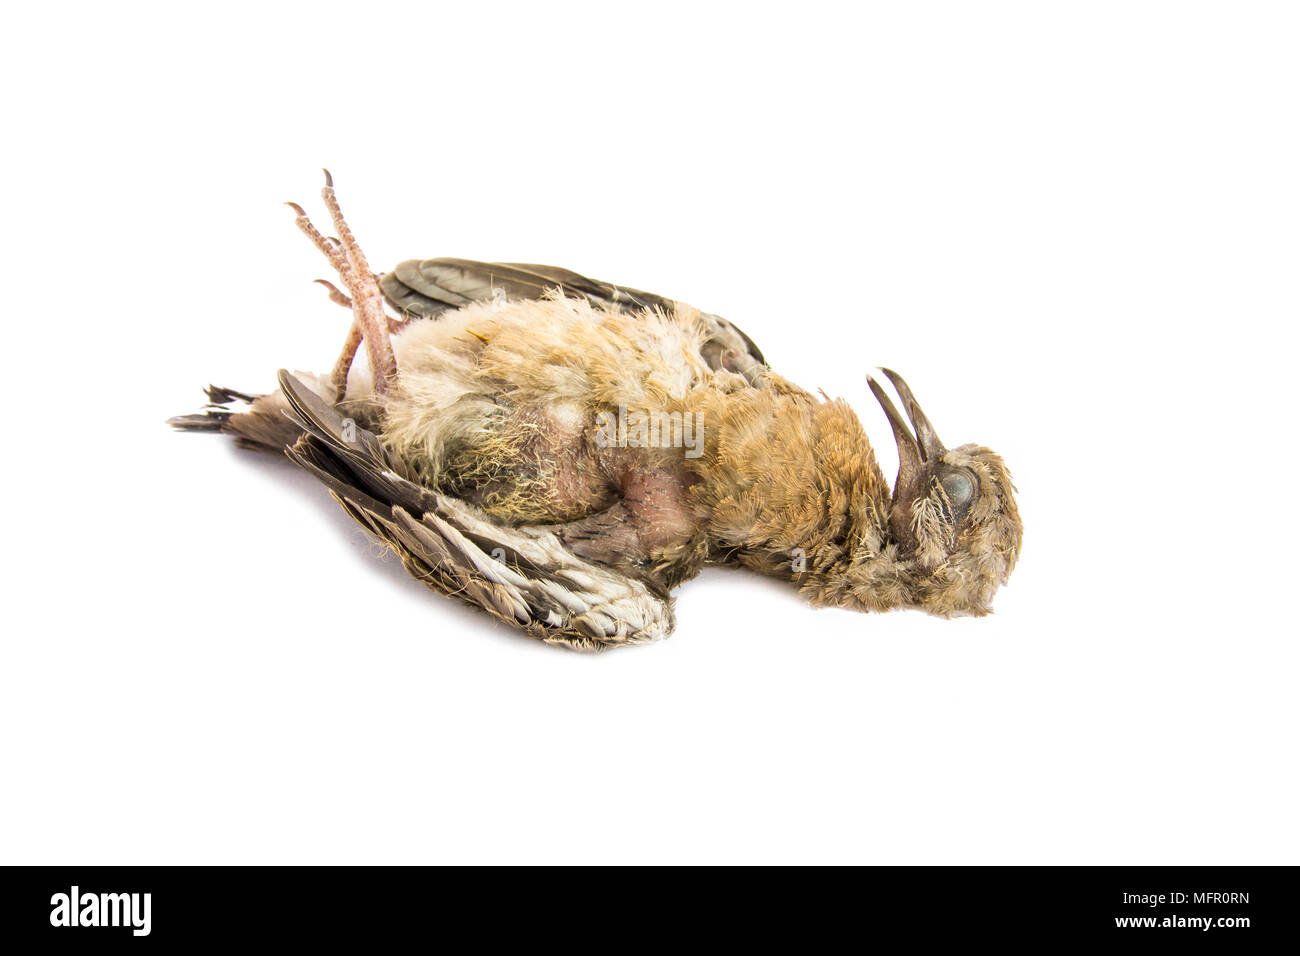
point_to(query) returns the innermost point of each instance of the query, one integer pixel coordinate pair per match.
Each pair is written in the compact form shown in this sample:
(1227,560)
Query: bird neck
(790,483)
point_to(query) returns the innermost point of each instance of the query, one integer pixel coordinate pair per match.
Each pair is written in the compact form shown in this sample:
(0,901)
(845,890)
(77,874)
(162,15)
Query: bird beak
(931,448)
(919,448)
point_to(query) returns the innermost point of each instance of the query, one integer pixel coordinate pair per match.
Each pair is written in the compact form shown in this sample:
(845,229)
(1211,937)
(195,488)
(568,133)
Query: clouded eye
(959,488)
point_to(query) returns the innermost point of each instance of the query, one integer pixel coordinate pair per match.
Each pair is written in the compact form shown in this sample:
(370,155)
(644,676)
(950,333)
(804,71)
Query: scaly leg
(367,303)
(339,377)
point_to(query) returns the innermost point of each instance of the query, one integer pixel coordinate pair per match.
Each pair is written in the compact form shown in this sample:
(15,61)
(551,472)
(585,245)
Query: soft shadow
(374,558)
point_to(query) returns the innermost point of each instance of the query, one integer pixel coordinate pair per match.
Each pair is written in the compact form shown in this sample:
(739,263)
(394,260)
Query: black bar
(1225,907)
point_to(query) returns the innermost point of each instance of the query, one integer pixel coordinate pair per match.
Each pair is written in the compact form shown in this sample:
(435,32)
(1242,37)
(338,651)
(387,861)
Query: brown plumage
(561,452)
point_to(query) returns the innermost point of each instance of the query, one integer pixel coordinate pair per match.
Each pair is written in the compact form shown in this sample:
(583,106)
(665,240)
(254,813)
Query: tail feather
(257,422)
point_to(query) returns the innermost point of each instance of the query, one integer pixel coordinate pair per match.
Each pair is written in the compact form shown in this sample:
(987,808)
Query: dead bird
(562,452)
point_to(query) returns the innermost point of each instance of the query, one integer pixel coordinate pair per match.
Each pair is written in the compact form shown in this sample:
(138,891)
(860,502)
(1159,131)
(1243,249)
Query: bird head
(952,515)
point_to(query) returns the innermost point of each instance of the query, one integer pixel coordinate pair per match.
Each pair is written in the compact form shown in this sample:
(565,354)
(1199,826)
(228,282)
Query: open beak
(919,448)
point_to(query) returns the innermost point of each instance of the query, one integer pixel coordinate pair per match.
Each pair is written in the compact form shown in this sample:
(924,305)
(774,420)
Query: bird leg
(339,376)
(370,323)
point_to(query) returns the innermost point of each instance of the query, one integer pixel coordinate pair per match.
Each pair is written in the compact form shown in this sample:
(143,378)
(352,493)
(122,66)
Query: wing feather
(523,576)
(429,287)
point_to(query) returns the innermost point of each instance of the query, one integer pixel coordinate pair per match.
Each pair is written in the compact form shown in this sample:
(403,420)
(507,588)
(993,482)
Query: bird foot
(371,324)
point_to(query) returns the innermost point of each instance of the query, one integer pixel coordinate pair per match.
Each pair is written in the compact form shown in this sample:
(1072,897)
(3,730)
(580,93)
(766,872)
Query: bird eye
(958,488)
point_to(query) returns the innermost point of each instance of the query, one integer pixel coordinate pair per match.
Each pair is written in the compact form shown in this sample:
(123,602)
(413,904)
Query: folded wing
(522,576)
(429,287)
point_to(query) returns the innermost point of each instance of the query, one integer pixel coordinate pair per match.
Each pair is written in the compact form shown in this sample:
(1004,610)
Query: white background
(1075,228)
